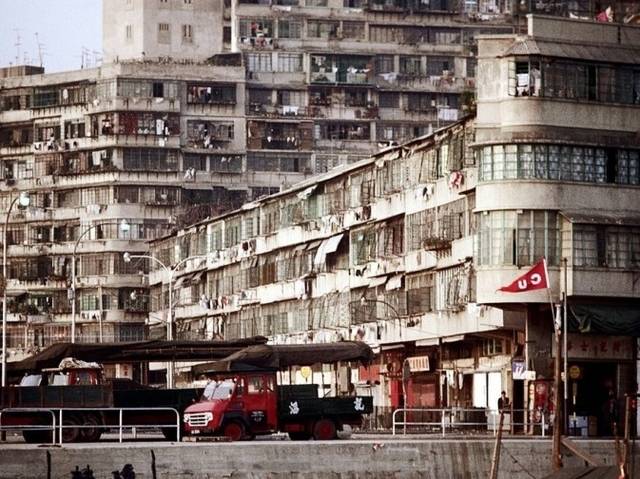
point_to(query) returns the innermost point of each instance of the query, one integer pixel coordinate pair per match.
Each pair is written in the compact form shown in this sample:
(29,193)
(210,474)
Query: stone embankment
(349,459)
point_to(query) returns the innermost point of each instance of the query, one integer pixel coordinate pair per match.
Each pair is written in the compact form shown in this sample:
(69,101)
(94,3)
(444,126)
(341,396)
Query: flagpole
(556,460)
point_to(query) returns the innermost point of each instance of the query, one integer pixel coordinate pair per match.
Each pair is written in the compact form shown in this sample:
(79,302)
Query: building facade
(111,158)
(558,150)
(406,250)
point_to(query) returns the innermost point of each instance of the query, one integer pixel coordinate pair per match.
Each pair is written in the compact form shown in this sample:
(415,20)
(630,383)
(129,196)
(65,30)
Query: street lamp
(24,200)
(124,227)
(170,271)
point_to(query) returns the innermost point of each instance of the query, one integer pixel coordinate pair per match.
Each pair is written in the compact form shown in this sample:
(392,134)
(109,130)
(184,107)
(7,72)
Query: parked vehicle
(94,404)
(243,405)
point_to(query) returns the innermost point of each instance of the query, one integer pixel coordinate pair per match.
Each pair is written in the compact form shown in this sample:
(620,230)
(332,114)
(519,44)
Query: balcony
(289,143)
(278,111)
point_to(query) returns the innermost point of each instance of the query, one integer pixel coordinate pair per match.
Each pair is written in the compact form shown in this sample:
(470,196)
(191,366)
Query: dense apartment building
(406,250)
(166,133)
(111,158)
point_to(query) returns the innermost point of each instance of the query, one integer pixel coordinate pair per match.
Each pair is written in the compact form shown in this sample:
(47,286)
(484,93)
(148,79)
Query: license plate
(195,431)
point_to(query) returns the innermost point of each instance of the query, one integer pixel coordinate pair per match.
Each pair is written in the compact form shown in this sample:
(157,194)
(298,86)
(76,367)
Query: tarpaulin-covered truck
(89,403)
(245,400)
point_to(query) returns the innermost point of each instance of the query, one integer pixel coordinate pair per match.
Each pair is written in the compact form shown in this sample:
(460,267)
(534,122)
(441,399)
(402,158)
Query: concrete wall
(340,459)
(144,16)
(588,31)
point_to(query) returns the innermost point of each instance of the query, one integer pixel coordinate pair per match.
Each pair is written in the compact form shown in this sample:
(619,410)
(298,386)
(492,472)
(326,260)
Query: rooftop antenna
(97,57)
(17,44)
(40,49)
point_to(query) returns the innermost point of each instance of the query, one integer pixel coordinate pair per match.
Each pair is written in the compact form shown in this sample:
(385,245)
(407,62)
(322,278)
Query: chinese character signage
(589,346)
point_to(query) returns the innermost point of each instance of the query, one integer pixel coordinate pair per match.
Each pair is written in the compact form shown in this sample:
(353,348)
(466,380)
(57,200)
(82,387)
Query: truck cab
(243,405)
(237,406)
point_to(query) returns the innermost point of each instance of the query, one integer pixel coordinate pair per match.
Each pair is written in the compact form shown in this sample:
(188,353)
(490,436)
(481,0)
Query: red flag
(535,278)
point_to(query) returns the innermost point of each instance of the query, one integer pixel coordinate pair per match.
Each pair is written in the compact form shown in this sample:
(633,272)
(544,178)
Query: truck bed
(297,407)
(56,397)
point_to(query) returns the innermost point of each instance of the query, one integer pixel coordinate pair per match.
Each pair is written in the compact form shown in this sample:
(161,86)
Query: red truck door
(261,402)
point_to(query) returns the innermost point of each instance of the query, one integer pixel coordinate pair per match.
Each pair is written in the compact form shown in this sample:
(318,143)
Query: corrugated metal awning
(615,54)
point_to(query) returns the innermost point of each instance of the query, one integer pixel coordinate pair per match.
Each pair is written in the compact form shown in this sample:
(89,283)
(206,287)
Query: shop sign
(518,370)
(574,372)
(305,372)
(419,363)
(588,346)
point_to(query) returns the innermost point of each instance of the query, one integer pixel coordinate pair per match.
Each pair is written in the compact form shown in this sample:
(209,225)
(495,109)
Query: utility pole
(495,462)
(556,460)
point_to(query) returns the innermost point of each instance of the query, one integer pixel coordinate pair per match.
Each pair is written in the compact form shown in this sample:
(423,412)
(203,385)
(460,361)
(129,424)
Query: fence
(58,424)
(459,420)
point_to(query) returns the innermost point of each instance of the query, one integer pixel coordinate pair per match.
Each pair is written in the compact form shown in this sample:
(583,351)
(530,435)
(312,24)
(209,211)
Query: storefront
(600,371)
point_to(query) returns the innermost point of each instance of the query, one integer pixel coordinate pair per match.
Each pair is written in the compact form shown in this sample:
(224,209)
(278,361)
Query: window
(187,33)
(315,3)
(411,66)
(259,62)
(384,64)
(211,93)
(389,100)
(354,30)
(289,62)
(560,162)
(150,159)
(606,246)
(254,28)
(438,66)
(575,80)
(164,33)
(289,28)
(322,29)
(291,97)
(508,237)
(129,32)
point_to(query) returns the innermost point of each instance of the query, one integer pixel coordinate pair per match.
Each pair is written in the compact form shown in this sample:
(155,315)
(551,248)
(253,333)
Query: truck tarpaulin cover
(134,351)
(282,356)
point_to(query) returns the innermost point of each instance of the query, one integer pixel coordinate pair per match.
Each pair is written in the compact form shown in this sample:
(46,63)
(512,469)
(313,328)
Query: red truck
(241,405)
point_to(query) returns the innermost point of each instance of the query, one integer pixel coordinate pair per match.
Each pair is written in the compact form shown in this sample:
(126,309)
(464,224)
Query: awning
(618,320)
(427,342)
(281,356)
(394,282)
(329,245)
(453,339)
(179,282)
(304,194)
(599,219)
(196,278)
(616,54)
(313,244)
(377,281)
(134,351)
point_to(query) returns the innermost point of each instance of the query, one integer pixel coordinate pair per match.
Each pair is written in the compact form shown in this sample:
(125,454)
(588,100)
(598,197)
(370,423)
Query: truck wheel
(324,430)
(169,433)
(234,430)
(36,437)
(90,434)
(299,436)
(69,433)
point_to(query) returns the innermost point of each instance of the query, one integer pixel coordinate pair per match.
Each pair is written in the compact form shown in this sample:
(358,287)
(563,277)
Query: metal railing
(30,427)
(456,420)
(58,425)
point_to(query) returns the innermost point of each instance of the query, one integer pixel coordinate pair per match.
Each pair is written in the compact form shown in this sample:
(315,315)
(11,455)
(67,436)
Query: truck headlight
(208,417)
(186,418)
